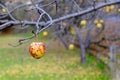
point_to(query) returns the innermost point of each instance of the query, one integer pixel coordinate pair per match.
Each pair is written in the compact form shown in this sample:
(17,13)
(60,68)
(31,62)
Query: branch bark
(66,16)
(85,11)
(50,20)
(81,43)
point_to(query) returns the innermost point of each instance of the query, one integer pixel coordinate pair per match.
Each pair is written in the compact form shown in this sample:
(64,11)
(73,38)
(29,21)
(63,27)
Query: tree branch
(85,11)
(50,21)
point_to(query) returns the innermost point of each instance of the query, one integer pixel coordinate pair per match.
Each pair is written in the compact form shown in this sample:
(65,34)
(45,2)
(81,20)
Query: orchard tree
(91,25)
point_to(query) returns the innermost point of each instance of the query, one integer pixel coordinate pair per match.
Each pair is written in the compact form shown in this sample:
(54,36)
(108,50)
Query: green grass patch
(57,64)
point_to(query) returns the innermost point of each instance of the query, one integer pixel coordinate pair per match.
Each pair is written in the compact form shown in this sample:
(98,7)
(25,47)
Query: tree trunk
(62,38)
(83,52)
(115,62)
(82,45)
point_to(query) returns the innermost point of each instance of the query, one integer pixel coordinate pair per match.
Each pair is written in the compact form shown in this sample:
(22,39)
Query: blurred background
(60,62)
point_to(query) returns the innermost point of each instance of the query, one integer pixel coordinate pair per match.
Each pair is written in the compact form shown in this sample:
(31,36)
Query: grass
(57,64)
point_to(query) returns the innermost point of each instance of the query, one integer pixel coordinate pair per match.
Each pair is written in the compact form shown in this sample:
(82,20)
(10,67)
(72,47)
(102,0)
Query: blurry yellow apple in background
(71,47)
(99,25)
(118,11)
(72,30)
(47,1)
(112,7)
(37,49)
(107,9)
(4,10)
(83,23)
(45,33)
(96,21)
(101,21)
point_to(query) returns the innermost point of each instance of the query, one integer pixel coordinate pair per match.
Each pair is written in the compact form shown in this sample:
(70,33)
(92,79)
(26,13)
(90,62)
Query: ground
(57,64)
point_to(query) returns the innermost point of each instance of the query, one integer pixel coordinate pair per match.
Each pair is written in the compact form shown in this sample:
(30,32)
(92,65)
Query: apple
(99,25)
(101,21)
(71,47)
(107,9)
(4,10)
(119,11)
(37,49)
(112,7)
(83,23)
(47,1)
(96,21)
(45,33)
(72,30)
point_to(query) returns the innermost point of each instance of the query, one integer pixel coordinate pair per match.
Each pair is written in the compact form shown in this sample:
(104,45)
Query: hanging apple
(119,11)
(101,21)
(99,25)
(83,23)
(71,47)
(96,21)
(45,33)
(37,49)
(4,10)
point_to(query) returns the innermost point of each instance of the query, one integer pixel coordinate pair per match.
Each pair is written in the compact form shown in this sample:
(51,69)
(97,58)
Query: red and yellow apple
(37,49)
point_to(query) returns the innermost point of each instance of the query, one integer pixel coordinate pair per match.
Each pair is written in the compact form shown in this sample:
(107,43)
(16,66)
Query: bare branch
(50,21)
